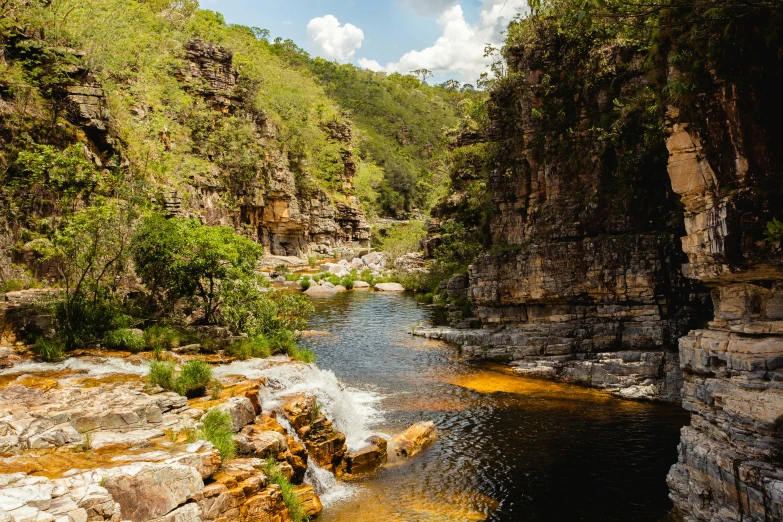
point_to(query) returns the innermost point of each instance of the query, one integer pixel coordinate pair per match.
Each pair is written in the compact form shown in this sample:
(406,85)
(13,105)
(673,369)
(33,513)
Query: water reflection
(511,449)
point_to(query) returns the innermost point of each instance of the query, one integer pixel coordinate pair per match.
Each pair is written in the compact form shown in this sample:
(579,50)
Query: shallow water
(510,448)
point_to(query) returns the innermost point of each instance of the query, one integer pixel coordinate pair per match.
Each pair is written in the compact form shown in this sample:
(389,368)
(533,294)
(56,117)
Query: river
(510,448)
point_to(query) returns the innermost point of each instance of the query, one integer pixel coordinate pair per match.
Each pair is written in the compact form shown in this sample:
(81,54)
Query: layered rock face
(726,165)
(286,217)
(585,284)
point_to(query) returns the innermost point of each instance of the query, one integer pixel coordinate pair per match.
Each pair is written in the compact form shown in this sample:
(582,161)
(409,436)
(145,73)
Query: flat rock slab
(413,440)
(390,287)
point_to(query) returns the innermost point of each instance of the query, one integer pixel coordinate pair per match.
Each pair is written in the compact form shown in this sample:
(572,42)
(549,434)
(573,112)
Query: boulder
(367,459)
(253,441)
(361,285)
(373,258)
(241,411)
(146,491)
(390,287)
(321,290)
(309,500)
(414,439)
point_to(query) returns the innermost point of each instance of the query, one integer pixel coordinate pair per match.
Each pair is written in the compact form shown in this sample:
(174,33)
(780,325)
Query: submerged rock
(413,440)
(367,459)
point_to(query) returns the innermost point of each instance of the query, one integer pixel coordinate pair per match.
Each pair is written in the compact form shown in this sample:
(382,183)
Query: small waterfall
(352,411)
(92,366)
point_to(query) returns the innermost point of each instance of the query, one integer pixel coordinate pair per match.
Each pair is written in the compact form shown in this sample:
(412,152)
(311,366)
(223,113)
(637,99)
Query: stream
(510,448)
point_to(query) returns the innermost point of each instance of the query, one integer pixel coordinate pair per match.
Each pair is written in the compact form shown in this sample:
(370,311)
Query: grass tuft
(217,430)
(296,509)
(49,350)
(124,339)
(193,379)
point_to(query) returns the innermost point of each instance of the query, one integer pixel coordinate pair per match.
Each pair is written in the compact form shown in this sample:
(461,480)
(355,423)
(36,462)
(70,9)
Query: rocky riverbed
(88,439)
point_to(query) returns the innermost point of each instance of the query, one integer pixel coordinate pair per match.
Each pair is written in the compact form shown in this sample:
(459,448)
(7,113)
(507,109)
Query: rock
(378,259)
(361,285)
(253,441)
(325,445)
(411,263)
(321,291)
(309,500)
(102,439)
(413,440)
(390,287)
(368,459)
(340,288)
(241,411)
(148,491)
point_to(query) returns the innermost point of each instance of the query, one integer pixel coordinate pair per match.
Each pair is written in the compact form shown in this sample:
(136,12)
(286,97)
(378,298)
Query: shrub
(348,282)
(161,338)
(49,349)
(194,378)
(293,277)
(124,339)
(312,261)
(367,276)
(296,509)
(318,277)
(333,279)
(255,346)
(217,430)
(162,374)
(280,270)
(305,283)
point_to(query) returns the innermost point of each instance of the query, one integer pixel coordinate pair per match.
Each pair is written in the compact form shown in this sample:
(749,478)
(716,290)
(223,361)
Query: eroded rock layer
(727,170)
(584,280)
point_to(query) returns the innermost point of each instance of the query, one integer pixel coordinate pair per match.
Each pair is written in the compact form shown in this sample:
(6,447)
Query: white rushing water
(352,411)
(94,367)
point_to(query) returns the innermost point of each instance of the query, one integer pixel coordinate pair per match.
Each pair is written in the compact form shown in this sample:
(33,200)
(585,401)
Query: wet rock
(241,411)
(367,459)
(389,287)
(309,500)
(413,440)
(325,445)
(361,285)
(321,291)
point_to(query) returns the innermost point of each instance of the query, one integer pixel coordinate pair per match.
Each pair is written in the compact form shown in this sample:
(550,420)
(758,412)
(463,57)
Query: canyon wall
(583,280)
(725,164)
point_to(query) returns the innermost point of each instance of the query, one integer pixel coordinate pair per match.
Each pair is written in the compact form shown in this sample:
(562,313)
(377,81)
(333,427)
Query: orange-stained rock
(309,499)
(413,440)
(367,459)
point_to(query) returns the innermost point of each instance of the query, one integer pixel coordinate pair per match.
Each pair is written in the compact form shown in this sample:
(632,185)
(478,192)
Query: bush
(217,430)
(348,282)
(305,283)
(194,378)
(49,350)
(367,276)
(293,277)
(255,346)
(281,270)
(162,374)
(296,509)
(333,279)
(124,339)
(161,338)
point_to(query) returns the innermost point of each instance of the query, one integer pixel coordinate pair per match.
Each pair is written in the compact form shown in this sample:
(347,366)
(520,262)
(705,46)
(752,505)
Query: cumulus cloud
(460,48)
(332,40)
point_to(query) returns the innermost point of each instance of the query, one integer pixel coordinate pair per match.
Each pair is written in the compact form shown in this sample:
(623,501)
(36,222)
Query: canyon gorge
(606,254)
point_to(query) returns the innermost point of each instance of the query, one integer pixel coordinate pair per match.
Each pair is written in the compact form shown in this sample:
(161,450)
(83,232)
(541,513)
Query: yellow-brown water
(510,448)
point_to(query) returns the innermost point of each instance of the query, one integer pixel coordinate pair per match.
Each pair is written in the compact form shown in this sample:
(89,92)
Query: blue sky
(446,36)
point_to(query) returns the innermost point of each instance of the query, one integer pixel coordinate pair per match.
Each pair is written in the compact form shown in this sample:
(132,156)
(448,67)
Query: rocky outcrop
(727,171)
(583,280)
(325,445)
(289,217)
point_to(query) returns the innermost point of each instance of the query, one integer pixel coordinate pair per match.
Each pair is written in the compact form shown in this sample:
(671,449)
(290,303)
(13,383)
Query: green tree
(181,258)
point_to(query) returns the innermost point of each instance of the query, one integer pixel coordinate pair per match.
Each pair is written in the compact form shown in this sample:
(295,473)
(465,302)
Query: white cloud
(333,41)
(460,48)
(427,7)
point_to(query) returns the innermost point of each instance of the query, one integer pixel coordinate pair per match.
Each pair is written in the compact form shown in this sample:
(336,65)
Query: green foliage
(217,429)
(305,283)
(367,276)
(162,374)
(247,309)
(124,339)
(281,270)
(50,350)
(91,253)
(348,282)
(402,238)
(301,354)
(161,337)
(774,232)
(293,277)
(296,509)
(255,346)
(193,379)
(181,258)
